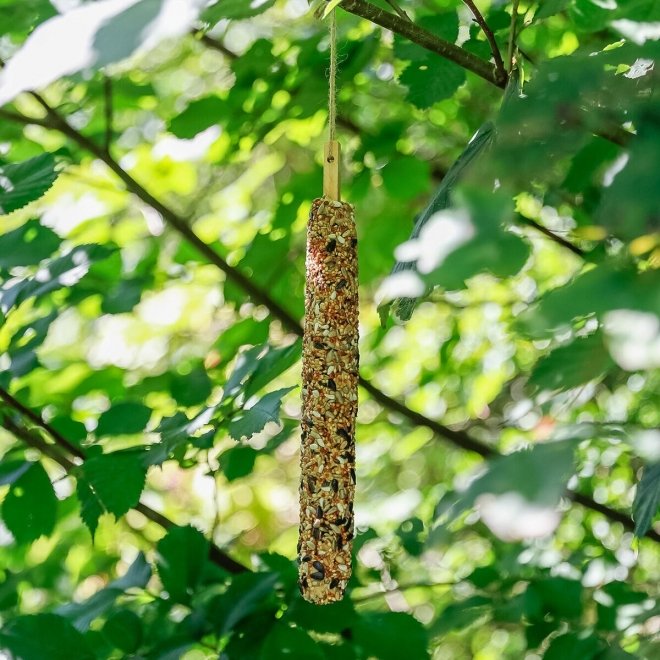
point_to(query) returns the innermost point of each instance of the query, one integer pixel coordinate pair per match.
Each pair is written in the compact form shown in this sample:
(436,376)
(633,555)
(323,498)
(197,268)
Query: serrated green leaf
(22,183)
(125,418)
(181,557)
(254,419)
(27,245)
(41,636)
(110,483)
(647,499)
(577,363)
(461,615)
(431,80)
(30,508)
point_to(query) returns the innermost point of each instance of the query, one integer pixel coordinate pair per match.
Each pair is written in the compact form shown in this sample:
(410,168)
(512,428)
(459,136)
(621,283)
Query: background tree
(157,166)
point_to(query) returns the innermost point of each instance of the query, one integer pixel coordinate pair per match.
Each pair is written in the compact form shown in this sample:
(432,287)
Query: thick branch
(457,438)
(426,40)
(488,33)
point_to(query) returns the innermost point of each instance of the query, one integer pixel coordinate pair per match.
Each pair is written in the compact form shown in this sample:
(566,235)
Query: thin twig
(488,33)
(512,34)
(398,10)
(37,420)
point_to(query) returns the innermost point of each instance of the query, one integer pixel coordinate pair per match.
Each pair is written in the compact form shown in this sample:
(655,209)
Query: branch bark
(488,33)
(426,39)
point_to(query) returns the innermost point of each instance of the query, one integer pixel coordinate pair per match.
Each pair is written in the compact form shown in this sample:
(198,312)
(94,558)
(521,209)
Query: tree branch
(54,452)
(426,40)
(108,111)
(488,33)
(458,438)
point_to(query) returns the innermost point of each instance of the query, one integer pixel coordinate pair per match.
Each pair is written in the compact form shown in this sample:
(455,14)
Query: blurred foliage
(148,390)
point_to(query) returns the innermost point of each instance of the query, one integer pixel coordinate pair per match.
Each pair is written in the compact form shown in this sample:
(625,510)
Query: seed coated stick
(329,408)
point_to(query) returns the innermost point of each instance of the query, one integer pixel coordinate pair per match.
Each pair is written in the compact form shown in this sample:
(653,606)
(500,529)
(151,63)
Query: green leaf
(27,245)
(125,418)
(491,248)
(123,629)
(24,182)
(110,483)
(593,292)
(572,365)
(275,362)
(235,9)
(440,202)
(647,499)
(572,646)
(431,80)
(391,636)
(44,636)
(549,8)
(198,116)
(629,206)
(406,177)
(181,557)
(175,432)
(547,468)
(238,462)
(245,595)
(461,615)
(191,388)
(287,643)
(444,25)
(559,597)
(30,508)
(52,275)
(254,419)
(83,614)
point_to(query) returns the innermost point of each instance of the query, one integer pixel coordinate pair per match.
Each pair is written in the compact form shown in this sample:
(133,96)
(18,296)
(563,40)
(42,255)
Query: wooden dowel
(331,181)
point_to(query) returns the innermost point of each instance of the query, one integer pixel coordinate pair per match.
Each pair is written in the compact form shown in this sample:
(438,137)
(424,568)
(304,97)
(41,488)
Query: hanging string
(332,99)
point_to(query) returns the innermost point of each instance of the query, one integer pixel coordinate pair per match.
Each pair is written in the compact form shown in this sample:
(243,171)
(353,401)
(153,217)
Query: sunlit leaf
(22,183)
(253,419)
(30,508)
(110,483)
